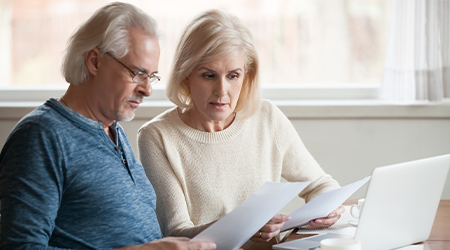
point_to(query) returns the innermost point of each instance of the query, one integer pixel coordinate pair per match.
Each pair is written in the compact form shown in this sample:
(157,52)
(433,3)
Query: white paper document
(322,205)
(238,226)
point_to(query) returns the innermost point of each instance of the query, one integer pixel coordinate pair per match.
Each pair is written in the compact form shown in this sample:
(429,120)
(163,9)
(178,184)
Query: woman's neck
(193,120)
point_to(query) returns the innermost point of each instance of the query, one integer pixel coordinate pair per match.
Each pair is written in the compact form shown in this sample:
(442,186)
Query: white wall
(347,144)
(5,44)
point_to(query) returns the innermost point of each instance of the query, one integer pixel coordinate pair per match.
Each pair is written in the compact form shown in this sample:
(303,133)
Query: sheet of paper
(308,243)
(322,205)
(238,226)
(340,227)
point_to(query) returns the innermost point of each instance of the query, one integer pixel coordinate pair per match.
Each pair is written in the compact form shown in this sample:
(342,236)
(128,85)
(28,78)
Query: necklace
(64,101)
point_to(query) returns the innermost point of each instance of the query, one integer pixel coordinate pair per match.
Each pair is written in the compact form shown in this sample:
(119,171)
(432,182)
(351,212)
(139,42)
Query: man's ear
(92,62)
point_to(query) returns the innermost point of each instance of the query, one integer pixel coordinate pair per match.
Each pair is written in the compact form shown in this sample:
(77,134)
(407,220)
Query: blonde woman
(221,142)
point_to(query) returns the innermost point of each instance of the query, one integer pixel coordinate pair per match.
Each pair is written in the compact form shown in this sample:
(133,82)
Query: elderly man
(68,176)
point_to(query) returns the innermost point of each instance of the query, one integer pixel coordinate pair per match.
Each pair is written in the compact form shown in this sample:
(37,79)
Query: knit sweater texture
(201,176)
(64,184)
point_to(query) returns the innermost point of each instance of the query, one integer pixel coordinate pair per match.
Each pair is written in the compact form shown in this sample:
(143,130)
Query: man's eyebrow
(140,69)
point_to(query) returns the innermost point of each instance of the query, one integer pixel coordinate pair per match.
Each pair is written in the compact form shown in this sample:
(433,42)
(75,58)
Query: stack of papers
(237,227)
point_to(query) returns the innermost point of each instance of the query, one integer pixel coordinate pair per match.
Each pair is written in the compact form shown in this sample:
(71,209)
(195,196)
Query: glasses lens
(154,79)
(140,77)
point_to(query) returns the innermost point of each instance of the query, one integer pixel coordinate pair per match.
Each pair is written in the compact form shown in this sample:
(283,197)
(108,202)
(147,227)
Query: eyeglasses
(139,77)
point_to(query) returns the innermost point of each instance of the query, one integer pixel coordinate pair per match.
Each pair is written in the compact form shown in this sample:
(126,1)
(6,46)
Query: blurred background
(300,42)
(336,46)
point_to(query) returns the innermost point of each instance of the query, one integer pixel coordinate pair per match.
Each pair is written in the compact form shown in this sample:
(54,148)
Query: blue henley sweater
(64,184)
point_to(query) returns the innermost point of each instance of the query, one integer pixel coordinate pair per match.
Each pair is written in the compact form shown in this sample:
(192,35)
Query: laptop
(400,207)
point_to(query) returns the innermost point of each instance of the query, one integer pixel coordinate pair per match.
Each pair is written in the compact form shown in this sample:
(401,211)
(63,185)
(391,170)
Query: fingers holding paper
(270,229)
(172,243)
(329,220)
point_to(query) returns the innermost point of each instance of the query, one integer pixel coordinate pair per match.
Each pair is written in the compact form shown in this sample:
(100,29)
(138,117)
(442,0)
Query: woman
(222,142)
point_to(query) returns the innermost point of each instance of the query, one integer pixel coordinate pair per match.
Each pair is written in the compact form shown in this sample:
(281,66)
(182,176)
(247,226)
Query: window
(309,42)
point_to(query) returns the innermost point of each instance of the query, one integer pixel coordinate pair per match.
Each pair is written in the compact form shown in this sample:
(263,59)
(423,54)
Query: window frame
(300,102)
(272,92)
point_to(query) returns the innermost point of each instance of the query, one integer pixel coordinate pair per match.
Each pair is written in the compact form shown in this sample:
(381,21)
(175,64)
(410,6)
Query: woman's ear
(186,82)
(91,60)
(187,85)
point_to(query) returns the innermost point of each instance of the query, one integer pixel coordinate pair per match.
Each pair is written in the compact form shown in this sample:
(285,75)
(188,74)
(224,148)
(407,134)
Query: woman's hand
(328,221)
(271,229)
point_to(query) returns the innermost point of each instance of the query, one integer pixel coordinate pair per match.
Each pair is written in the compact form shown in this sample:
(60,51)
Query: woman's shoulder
(161,121)
(270,115)
(267,105)
(269,109)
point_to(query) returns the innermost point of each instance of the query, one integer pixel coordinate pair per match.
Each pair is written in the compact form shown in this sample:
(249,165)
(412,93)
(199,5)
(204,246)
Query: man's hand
(173,243)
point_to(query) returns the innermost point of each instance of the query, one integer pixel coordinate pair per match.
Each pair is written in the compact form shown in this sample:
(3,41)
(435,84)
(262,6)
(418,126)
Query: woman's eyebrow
(205,68)
(233,70)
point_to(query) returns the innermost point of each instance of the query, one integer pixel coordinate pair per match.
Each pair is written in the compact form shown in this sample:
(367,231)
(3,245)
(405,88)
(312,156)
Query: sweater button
(117,148)
(124,161)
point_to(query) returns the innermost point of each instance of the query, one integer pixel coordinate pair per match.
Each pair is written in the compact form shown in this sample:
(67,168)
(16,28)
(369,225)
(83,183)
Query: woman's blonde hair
(211,36)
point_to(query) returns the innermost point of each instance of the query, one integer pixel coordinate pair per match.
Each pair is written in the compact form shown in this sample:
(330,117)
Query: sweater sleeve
(31,185)
(171,205)
(298,163)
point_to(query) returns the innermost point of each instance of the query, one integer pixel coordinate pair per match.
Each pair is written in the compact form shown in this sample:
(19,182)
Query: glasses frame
(153,78)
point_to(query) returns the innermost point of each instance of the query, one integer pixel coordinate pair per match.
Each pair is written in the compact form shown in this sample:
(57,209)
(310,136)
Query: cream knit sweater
(200,176)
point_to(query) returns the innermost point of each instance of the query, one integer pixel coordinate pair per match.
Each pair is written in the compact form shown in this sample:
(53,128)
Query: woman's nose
(220,87)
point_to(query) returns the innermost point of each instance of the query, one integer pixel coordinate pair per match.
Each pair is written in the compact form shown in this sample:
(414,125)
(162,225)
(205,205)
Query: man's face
(120,95)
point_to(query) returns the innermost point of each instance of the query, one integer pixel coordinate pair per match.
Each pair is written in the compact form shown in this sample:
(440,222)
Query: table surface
(440,233)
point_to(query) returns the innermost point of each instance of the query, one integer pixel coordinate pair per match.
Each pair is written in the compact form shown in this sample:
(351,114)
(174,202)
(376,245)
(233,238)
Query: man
(68,176)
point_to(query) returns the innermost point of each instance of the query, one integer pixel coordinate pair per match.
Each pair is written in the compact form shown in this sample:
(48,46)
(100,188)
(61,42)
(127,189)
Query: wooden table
(440,233)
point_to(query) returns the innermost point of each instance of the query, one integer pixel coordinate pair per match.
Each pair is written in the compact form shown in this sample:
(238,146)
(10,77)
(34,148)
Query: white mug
(340,244)
(355,210)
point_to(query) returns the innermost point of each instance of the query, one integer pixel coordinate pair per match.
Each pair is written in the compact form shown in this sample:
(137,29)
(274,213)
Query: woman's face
(215,89)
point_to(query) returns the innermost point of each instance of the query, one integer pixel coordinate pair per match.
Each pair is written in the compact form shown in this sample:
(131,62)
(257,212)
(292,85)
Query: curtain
(417,65)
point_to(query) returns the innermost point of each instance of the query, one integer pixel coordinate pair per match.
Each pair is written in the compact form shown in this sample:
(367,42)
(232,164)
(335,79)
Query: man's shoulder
(44,121)
(43,116)
(33,129)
